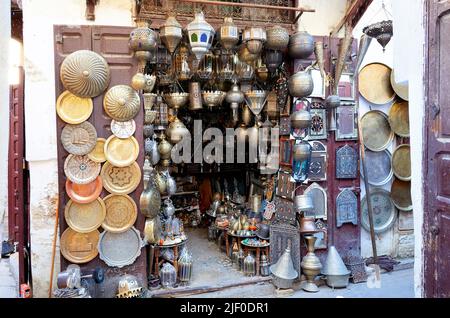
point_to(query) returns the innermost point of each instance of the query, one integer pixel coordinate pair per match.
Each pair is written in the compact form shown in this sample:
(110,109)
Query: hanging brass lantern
(382,31)
(206,66)
(301,84)
(182,68)
(254,39)
(301,45)
(235,97)
(228,34)
(176,131)
(273,60)
(171,33)
(201,35)
(164,148)
(143,38)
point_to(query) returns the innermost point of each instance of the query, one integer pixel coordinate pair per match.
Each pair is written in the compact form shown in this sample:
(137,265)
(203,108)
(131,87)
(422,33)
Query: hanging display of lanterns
(171,33)
(228,34)
(201,35)
(254,39)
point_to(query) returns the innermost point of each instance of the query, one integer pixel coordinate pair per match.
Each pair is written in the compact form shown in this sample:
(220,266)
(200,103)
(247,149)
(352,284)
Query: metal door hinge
(435,110)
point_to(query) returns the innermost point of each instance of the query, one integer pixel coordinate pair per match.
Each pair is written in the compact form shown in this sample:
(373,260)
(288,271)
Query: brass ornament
(401,162)
(301,45)
(301,84)
(165,148)
(81,169)
(129,287)
(85,73)
(97,154)
(78,247)
(121,213)
(277,38)
(79,139)
(213,99)
(374,82)
(73,109)
(121,152)
(152,230)
(121,103)
(377,134)
(171,33)
(85,217)
(176,100)
(142,38)
(121,180)
(399,118)
(176,131)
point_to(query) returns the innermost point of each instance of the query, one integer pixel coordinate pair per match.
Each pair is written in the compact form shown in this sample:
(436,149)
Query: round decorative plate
(121,180)
(376,132)
(98,154)
(401,195)
(401,89)
(77,247)
(384,211)
(79,139)
(121,102)
(121,152)
(379,168)
(399,118)
(81,169)
(401,162)
(121,213)
(120,249)
(85,218)
(375,83)
(73,109)
(84,193)
(123,129)
(85,73)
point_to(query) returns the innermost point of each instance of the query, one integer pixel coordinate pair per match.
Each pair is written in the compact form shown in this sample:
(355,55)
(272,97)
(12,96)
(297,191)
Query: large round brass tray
(399,118)
(401,195)
(121,103)
(98,154)
(121,152)
(85,218)
(84,193)
(120,249)
(374,82)
(379,167)
(77,247)
(79,139)
(401,89)
(73,109)
(376,132)
(121,180)
(85,73)
(121,213)
(81,169)
(401,162)
(384,211)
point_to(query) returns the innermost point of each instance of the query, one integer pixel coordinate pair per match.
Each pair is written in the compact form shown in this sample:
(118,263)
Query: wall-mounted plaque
(284,211)
(318,128)
(346,122)
(282,236)
(320,201)
(285,187)
(346,162)
(346,208)
(285,126)
(318,163)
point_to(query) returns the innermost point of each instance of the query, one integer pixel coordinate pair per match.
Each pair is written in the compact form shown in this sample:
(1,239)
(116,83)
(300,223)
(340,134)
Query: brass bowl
(213,98)
(176,100)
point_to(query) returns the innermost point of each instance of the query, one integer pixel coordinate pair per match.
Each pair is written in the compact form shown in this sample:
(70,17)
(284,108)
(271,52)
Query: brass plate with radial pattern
(123,129)
(401,195)
(121,103)
(121,152)
(399,118)
(79,139)
(98,153)
(85,218)
(401,162)
(81,169)
(376,132)
(121,180)
(121,213)
(374,82)
(79,248)
(85,73)
(73,109)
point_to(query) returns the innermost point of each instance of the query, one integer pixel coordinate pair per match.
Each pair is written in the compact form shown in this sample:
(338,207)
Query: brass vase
(311,265)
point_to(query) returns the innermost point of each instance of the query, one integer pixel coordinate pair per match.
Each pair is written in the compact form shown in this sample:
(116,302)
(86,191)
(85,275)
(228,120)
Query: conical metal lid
(284,268)
(334,265)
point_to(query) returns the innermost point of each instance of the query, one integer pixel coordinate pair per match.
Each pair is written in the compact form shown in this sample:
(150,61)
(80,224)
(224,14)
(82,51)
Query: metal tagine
(277,38)
(301,45)
(311,265)
(228,34)
(335,270)
(171,33)
(201,35)
(301,84)
(283,271)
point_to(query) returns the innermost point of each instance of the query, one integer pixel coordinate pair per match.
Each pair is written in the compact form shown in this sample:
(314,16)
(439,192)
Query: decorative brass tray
(375,83)
(98,154)
(401,195)
(121,180)
(121,213)
(123,129)
(399,118)
(376,132)
(73,109)
(84,193)
(81,169)
(121,152)
(79,139)
(77,247)
(85,218)
(121,103)
(401,162)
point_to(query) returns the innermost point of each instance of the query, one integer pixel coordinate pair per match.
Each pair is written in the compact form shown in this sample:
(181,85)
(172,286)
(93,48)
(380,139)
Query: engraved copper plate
(98,154)
(79,139)
(401,162)
(346,162)
(121,213)
(73,109)
(85,217)
(121,152)
(85,73)
(123,129)
(346,208)
(401,89)
(121,102)
(401,195)
(375,83)
(121,180)
(84,193)
(120,249)
(376,132)
(399,118)
(81,169)
(384,211)
(77,247)
(379,168)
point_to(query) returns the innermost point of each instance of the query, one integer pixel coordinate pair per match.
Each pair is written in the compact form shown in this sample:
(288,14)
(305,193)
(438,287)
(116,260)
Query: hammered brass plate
(79,248)
(79,139)
(376,132)
(121,103)
(401,195)
(399,118)
(81,169)
(374,82)
(401,162)
(98,154)
(120,180)
(121,152)
(121,213)
(73,109)
(401,89)
(85,73)
(85,218)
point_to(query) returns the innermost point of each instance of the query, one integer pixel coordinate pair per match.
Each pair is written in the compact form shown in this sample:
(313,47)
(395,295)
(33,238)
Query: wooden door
(437,152)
